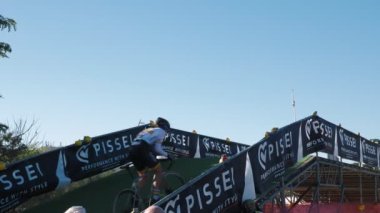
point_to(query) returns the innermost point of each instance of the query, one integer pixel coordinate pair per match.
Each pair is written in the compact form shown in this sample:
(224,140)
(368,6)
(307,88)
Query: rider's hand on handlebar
(170,157)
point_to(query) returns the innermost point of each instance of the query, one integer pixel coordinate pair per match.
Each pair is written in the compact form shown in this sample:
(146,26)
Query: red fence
(326,208)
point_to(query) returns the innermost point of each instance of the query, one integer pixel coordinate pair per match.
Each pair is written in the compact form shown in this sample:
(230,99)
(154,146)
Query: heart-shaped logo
(262,154)
(206,143)
(308,128)
(170,206)
(82,154)
(341,136)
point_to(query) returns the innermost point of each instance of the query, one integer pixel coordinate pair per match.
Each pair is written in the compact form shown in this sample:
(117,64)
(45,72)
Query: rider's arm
(160,137)
(159,150)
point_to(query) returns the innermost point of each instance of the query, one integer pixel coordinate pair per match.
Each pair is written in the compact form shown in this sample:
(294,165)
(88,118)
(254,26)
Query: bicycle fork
(136,199)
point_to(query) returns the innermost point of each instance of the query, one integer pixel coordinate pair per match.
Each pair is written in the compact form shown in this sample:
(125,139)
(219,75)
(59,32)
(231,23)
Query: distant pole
(294,105)
(140,122)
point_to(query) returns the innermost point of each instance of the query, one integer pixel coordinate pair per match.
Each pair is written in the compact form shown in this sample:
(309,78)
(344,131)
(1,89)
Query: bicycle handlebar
(163,159)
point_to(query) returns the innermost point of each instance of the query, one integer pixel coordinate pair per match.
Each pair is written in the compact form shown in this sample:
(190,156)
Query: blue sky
(223,68)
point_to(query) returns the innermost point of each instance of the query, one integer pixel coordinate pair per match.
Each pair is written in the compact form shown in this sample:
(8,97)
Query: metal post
(361,188)
(318,183)
(376,191)
(300,197)
(282,194)
(315,200)
(294,106)
(341,184)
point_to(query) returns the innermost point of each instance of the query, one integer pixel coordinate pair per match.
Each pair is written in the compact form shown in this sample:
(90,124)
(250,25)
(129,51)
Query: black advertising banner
(213,147)
(317,134)
(58,168)
(266,162)
(220,189)
(349,145)
(192,145)
(103,153)
(180,143)
(271,156)
(48,171)
(31,177)
(369,152)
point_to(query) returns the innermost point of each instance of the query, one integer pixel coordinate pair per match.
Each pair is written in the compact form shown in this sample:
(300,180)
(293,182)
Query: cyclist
(223,158)
(145,147)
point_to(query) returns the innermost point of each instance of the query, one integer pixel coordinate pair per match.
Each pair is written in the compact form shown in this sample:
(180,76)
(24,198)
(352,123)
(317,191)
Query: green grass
(97,196)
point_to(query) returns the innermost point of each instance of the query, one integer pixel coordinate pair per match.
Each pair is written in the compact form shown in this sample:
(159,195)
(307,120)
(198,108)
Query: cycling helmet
(163,123)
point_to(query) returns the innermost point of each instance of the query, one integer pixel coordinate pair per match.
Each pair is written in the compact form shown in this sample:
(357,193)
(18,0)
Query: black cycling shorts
(142,156)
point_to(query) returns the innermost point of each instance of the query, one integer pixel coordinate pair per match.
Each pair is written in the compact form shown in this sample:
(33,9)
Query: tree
(18,142)
(6,23)
(10,144)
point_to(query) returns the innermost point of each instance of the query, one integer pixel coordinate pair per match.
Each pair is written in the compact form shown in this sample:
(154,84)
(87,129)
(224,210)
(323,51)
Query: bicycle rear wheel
(126,200)
(172,181)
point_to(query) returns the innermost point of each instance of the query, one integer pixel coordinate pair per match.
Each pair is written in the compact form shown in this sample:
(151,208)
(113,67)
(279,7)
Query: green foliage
(26,154)
(4,49)
(20,142)
(9,24)
(11,145)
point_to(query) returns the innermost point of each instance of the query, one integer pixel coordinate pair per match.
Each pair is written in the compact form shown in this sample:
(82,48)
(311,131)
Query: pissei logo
(346,139)
(368,148)
(262,154)
(208,193)
(101,148)
(308,128)
(216,146)
(172,206)
(317,128)
(273,150)
(82,153)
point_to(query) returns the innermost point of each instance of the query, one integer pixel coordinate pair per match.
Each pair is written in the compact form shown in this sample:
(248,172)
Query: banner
(267,161)
(253,170)
(181,143)
(213,147)
(221,190)
(32,177)
(369,152)
(51,170)
(349,145)
(273,155)
(316,135)
(103,153)
(192,145)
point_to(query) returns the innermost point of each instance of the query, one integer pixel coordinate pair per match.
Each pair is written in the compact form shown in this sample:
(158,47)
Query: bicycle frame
(135,192)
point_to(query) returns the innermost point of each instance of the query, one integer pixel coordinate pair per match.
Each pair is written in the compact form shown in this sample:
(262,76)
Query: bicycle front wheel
(126,201)
(172,181)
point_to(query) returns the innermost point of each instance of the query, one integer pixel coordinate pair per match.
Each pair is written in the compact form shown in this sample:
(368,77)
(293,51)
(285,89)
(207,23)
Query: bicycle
(134,199)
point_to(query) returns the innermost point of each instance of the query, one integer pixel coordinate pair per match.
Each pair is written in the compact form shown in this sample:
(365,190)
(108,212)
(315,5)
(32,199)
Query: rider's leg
(142,178)
(157,180)
(139,157)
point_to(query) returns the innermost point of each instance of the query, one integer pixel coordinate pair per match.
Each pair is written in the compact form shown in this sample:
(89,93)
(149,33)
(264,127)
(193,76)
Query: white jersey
(154,137)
